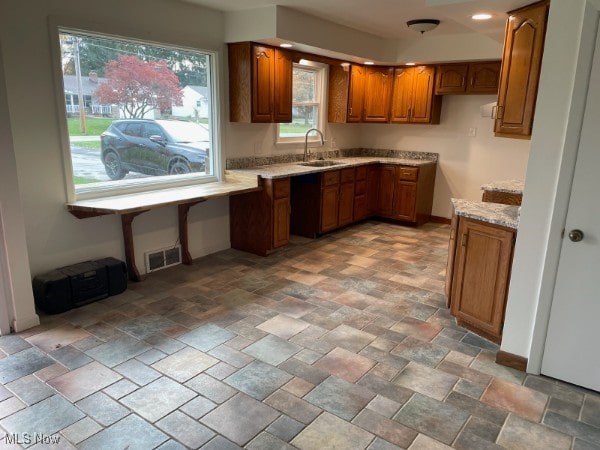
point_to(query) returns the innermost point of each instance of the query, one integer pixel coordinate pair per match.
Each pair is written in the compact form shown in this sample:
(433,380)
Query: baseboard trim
(438,219)
(509,360)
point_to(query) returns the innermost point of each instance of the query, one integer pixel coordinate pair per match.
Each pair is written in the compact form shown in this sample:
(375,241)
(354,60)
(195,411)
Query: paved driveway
(87,163)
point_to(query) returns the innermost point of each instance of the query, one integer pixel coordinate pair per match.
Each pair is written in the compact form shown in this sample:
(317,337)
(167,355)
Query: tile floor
(343,342)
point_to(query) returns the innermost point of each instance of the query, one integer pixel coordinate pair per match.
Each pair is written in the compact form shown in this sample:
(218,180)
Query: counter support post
(126,221)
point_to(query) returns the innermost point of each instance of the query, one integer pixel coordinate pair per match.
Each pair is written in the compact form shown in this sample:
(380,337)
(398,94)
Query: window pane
(130,92)
(304,85)
(303,119)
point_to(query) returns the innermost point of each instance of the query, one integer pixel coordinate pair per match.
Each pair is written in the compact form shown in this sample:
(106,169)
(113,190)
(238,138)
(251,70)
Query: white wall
(54,237)
(560,105)
(15,281)
(465,163)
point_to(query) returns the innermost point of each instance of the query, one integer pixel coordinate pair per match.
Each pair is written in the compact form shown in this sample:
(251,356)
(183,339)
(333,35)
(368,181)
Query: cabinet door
(281,222)
(346,208)
(283,86)
(378,87)
(481,275)
(372,198)
(402,93)
(387,181)
(450,261)
(356,93)
(483,78)
(405,197)
(329,208)
(421,109)
(521,62)
(451,79)
(281,211)
(263,83)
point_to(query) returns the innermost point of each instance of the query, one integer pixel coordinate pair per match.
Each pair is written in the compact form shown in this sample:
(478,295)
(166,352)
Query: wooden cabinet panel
(404,200)
(413,99)
(481,276)
(468,78)
(521,63)
(330,177)
(263,83)
(423,110)
(360,207)
(402,94)
(387,182)
(260,83)
(378,87)
(337,100)
(260,222)
(281,222)
(451,79)
(484,78)
(283,87)
(346,208)
(450,263)
(329,208)
(372,189)
(356,93)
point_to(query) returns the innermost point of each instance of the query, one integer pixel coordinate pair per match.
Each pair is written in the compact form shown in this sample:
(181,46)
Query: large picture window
(137,113)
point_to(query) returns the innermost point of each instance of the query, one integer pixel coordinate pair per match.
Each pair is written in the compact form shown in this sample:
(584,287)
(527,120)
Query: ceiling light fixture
(481,16)
(369,63)
(411,64)
(286,45)
(422,25)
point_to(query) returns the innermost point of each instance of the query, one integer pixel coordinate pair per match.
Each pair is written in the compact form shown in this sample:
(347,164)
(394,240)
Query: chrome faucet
(306,142)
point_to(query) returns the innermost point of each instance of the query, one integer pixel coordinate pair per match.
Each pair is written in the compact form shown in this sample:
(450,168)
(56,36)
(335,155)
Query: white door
(572,349)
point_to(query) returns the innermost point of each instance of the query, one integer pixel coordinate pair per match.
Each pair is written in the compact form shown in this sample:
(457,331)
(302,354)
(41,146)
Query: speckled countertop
(508,186)
(496,213)
(295,168)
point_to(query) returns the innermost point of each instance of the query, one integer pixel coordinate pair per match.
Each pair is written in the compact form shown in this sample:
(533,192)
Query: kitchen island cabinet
(479,265)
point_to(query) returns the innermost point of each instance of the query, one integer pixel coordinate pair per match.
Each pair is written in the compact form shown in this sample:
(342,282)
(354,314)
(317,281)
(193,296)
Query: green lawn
(294,129)
(93,126)
(83,180)
(92,145)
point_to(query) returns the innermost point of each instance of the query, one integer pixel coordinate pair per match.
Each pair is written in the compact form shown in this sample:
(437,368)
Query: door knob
(576,235)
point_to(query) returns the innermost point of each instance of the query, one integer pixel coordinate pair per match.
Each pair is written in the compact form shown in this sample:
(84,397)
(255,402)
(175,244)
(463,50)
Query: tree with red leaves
(138,86)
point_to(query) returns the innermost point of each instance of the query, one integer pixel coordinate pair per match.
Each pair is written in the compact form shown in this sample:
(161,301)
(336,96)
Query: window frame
(322,73)
(147,184)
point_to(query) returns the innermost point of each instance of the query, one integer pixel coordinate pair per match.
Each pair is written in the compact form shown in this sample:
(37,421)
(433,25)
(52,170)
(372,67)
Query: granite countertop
(295,168)
(508,186)
(495,213)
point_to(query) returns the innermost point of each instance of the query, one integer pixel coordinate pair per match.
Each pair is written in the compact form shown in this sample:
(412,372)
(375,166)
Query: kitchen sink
(320,163)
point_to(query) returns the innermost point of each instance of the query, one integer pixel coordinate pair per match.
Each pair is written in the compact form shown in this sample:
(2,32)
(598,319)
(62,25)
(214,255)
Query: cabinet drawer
(347,175)
(361,173)
(281,188)
(360,187)
(408,173)
(330,178)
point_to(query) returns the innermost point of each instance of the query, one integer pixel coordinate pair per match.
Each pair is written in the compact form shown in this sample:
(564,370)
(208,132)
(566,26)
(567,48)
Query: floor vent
(160,259)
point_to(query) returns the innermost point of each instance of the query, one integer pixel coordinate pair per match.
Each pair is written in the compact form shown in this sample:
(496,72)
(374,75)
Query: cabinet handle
(351,110)
(494,112)
(472,81)
(464,240)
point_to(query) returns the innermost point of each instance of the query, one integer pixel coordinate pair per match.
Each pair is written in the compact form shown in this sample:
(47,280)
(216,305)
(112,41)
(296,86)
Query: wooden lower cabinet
(451,255)
(346,202)
(260,221)
(481,275)
(406,193)
(330,206)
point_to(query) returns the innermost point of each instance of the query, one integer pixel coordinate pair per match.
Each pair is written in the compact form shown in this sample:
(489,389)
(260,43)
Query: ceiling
(387,18)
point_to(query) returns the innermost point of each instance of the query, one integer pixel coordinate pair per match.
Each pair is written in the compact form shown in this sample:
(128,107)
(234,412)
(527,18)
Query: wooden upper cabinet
(260,83)
(283,86)
(378,87)
(413,99)
(451,79)
(521,63)
(468,78)
(356,93)
(483,77)
(263,84)
(402,94)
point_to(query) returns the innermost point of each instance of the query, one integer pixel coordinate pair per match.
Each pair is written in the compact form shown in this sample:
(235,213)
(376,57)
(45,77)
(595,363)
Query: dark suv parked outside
(154,147)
